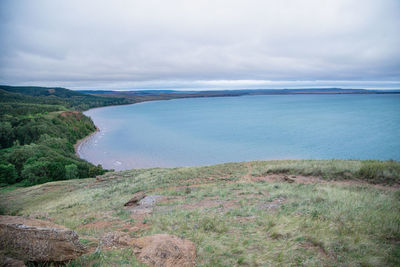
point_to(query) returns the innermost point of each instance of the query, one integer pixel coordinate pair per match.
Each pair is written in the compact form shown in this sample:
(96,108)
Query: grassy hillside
(263,213)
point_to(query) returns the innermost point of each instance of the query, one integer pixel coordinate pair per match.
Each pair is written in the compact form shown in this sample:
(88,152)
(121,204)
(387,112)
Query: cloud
(157,44)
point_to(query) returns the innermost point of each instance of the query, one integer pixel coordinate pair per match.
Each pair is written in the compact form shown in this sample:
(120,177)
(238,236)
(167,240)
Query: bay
(202,131)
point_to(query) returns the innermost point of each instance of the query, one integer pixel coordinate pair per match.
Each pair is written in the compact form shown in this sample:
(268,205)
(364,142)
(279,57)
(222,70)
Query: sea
(203,131)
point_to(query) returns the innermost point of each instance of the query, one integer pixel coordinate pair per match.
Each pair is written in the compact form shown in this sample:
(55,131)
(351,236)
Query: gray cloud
(200,44)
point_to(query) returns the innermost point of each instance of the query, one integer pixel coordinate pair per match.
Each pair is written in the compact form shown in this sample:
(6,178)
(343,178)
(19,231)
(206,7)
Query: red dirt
(274,178)
(70,113)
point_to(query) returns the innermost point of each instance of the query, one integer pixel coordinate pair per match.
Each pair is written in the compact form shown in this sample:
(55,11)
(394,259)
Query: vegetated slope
(38,131)
(264,213)
(56,96)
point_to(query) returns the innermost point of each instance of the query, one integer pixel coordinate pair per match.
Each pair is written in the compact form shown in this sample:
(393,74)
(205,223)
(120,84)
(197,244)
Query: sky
(198,45)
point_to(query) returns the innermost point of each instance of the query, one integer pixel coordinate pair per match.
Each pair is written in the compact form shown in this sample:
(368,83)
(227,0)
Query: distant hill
(240,92)
(55,96)
(41,91)
(149,95)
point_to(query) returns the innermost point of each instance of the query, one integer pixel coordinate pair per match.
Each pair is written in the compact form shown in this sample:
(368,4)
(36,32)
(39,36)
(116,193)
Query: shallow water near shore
(202,131)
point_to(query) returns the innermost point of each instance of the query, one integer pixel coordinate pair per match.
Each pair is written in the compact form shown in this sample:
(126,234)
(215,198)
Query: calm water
(204,131)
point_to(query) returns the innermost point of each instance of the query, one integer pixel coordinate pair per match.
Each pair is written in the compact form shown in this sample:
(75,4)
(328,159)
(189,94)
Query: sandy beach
(81,141)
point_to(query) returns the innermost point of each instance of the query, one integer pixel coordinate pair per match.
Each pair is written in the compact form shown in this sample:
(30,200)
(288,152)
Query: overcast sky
(188,44)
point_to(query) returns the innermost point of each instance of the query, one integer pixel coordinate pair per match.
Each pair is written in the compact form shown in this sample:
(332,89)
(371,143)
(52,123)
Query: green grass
(319,224)
(121,257)
(235,221)
(9,188)
(373,171)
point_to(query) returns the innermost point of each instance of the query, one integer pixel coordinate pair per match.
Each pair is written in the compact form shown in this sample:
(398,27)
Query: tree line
(38,129)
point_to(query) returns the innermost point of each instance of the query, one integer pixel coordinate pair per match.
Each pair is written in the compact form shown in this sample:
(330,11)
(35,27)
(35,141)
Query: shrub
(42,170)
(71,171)
(380,171)
(35,172)
(96,170)
(8,174)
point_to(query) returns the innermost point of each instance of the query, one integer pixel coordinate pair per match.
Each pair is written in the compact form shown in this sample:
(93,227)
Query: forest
(38,129)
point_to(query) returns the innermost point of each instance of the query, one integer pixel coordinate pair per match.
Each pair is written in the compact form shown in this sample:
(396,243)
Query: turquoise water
(203,131)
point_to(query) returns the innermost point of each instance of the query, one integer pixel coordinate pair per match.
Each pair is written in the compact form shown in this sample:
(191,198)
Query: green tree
(20,154)
(71,171)
(35,172)
(38,130)
(96,170)
(56,171)
(6,134)
(60,145)
(8,174)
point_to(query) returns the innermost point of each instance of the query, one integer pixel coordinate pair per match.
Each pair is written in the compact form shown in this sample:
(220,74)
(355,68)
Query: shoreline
(77,146)
(78,143)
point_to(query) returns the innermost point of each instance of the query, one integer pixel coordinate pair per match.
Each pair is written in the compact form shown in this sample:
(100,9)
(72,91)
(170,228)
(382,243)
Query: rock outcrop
(10,262)
(116,239)
(163,250)
(135,199)
(37,240)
